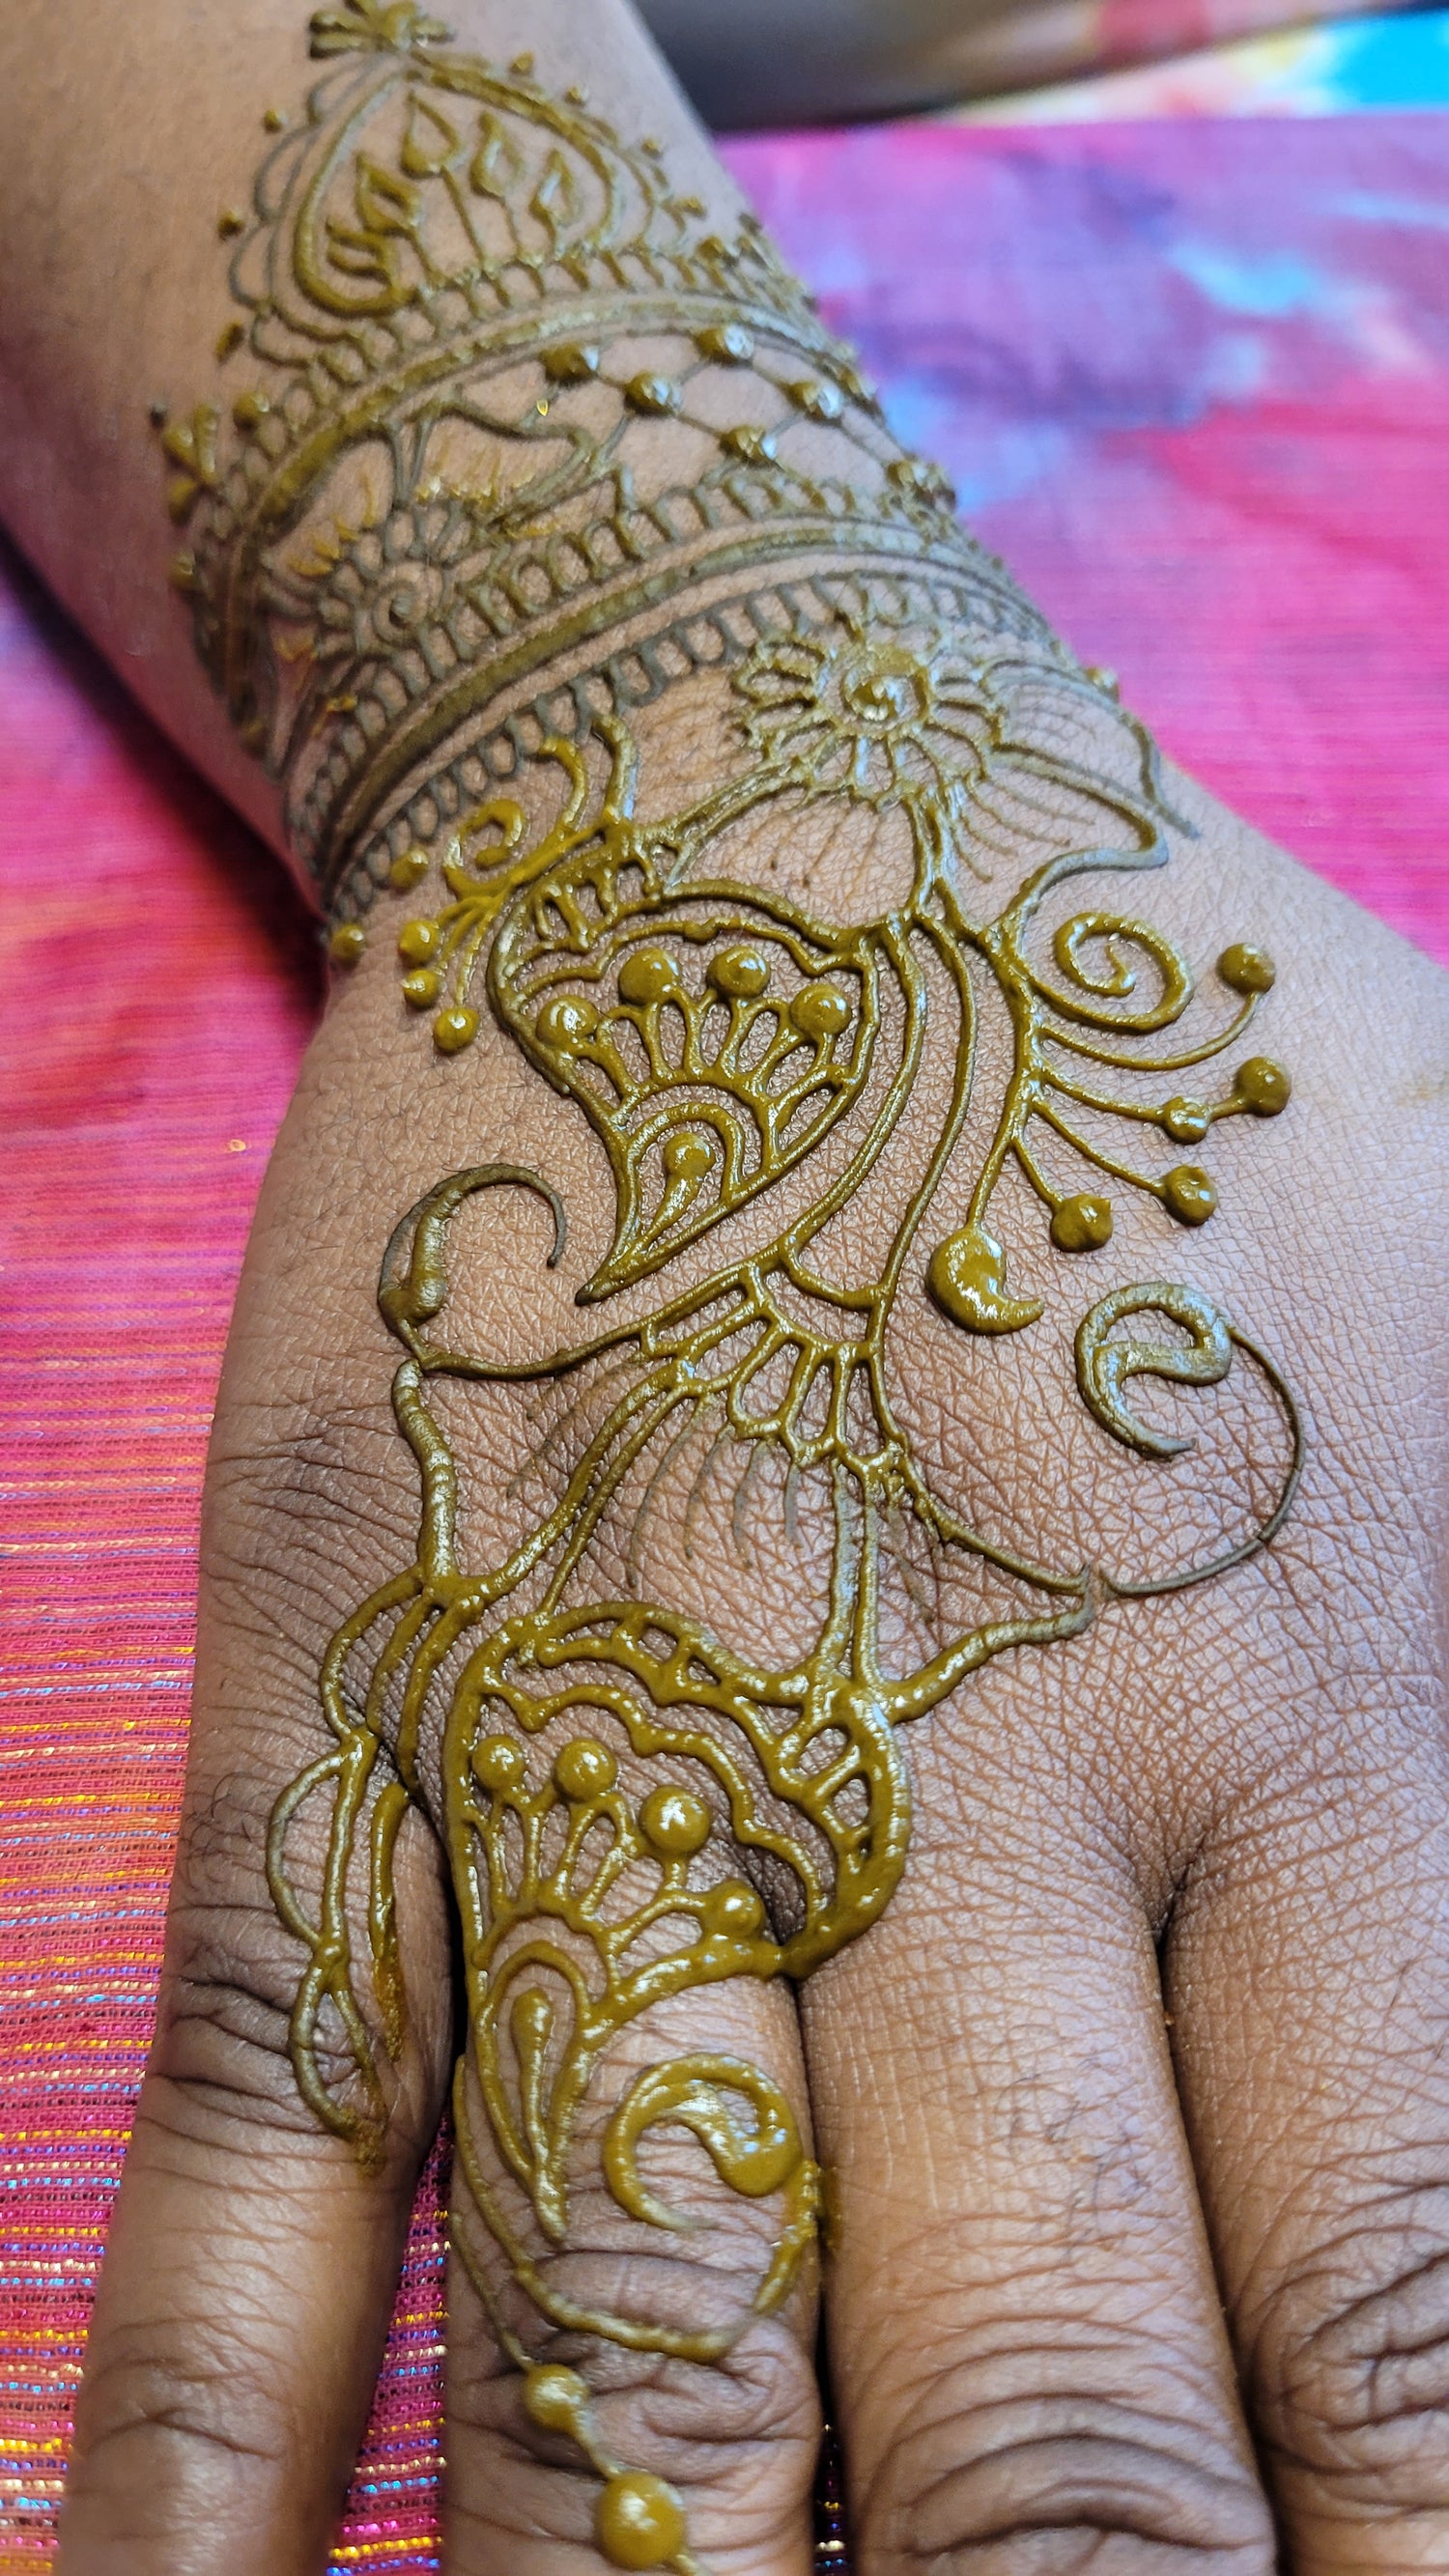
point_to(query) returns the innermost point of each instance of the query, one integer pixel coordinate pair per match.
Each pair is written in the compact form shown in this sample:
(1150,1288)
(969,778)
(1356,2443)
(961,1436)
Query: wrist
(516,432)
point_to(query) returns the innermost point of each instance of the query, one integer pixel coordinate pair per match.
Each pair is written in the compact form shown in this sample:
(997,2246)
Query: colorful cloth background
(1193,380)
(1382,61)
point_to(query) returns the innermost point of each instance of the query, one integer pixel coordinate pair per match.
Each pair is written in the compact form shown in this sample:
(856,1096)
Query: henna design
(715,1037)
(447,473)
(445,495)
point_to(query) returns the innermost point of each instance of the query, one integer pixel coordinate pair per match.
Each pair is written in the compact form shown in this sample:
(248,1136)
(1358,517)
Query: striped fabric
(1205,417)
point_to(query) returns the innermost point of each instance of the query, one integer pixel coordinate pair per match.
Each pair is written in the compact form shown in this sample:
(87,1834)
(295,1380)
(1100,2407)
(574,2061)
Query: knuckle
(1059,2477)
(222,2057)
(738,2440)
(223,1834)
(1351,2364)
(193,2405)
(223,2069)
(299,1512)
(221,2062)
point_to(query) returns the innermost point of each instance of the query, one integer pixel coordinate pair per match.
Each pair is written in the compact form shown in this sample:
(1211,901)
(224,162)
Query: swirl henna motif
(442,572)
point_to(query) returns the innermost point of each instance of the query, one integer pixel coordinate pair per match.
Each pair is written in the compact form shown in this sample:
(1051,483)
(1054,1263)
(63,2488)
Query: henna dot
(1262,1086)
(250,410)
(566,1021)
(347,943)
(820,1012)
(818,398)
(688,1157)
(417,941)
(966,1275)
(1186,1121)
(455,1029)
(733,1911)
(916,474)
(675,1822)
(1082,1224)
(1247,970)
(752,446)
(229,223)
(585,1768)
(1190,1195)
(728,342)
(555,2398)
(650,975)
(639,2521)
(408,870)
(657,396)
(739,972)
(572,363)
(422,988)
(498,1763)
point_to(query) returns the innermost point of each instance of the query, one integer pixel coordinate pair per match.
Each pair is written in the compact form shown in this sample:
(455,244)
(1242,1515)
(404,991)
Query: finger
(1308,1972)
(1026,2346)
(587,2421)
(254,2255)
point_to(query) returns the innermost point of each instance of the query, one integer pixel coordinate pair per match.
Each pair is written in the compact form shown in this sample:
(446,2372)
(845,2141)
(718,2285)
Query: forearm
(134,143)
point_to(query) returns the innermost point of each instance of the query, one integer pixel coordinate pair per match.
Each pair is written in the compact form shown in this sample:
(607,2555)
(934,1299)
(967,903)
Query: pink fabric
(1203,409)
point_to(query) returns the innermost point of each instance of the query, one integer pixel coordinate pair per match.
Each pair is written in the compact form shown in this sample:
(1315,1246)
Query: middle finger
(1026,2339)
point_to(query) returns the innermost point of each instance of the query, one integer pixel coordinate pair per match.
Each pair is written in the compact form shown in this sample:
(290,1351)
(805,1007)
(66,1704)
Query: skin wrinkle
(1100,2448)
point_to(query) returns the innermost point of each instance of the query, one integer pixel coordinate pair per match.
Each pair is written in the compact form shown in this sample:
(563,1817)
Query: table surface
(1193,381)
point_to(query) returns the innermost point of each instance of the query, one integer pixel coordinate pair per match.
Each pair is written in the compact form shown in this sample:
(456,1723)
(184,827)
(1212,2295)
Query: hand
(1108,2229)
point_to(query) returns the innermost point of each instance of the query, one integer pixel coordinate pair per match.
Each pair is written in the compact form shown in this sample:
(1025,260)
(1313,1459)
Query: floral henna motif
(442,572)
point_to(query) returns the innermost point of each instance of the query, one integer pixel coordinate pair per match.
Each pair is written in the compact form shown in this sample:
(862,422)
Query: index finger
(253,2257)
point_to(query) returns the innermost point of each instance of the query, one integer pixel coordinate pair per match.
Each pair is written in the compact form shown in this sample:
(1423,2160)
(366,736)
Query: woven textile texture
(1193,381)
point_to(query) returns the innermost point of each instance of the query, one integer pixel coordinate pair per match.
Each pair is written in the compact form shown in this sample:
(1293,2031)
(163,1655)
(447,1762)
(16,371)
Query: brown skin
(1135,2255)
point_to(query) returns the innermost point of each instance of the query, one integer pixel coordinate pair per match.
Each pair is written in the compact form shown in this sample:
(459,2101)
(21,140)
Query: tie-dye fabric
(1378,61)
(1194,384)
